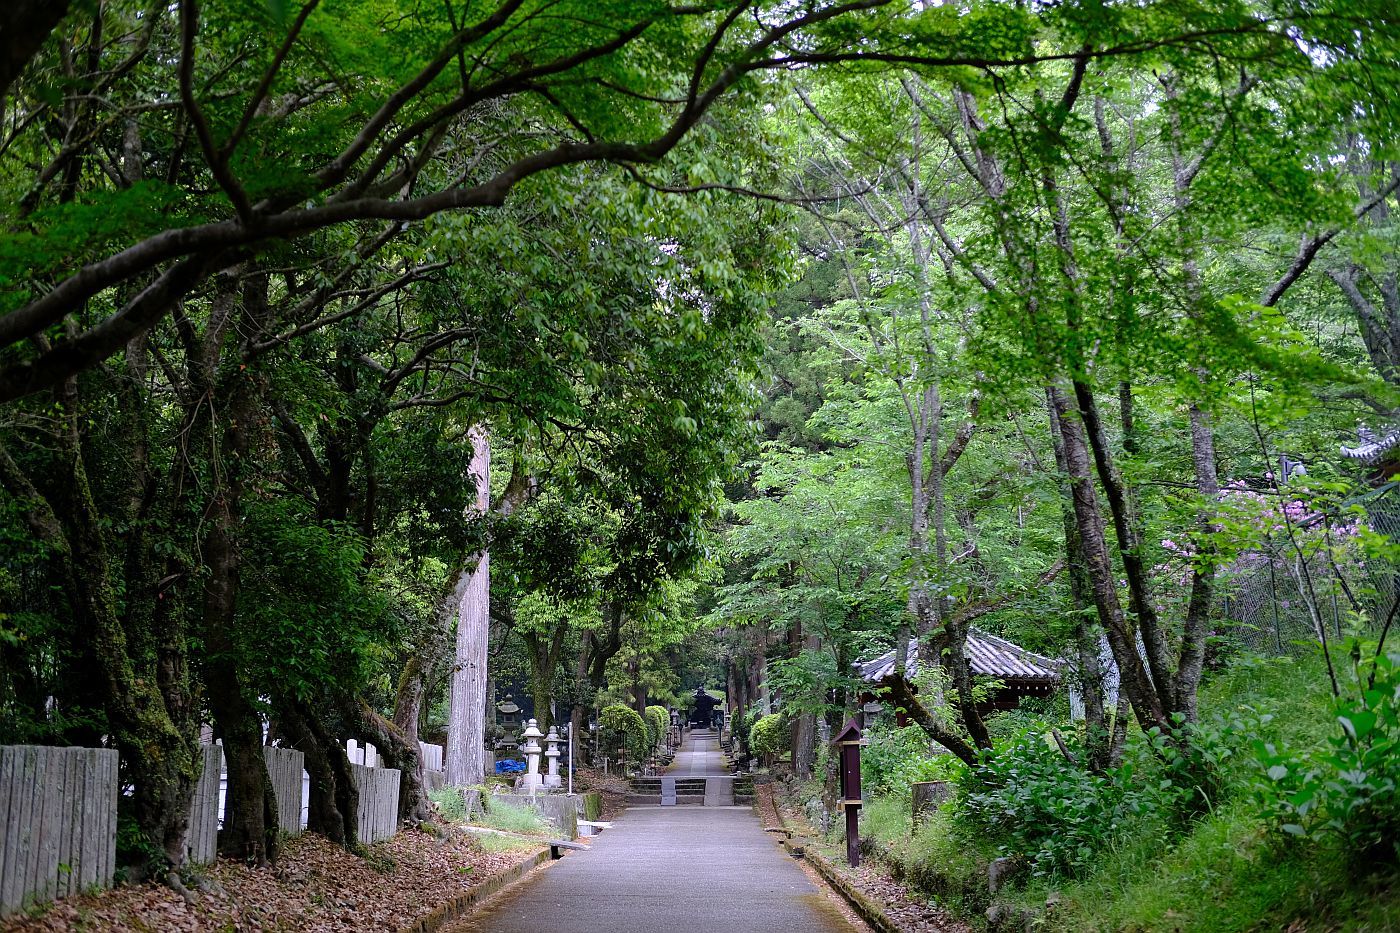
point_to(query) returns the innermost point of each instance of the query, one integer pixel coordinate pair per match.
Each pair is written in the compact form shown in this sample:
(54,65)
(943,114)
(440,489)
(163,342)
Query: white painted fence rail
(58,822)
(378,814)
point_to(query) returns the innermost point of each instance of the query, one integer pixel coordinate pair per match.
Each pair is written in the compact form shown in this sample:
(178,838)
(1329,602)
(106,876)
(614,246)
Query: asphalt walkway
(708,869)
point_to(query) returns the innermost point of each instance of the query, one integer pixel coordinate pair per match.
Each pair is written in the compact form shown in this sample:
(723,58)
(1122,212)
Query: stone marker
(552,779)
(532,781)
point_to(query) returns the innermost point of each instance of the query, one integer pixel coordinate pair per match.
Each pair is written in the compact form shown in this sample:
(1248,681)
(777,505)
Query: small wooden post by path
(849,741)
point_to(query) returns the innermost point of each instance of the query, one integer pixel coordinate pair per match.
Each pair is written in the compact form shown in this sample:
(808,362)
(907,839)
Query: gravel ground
(315,886)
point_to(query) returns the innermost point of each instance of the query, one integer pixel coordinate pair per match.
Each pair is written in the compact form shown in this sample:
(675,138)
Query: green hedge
(657,720)
(623,727)
(768,736)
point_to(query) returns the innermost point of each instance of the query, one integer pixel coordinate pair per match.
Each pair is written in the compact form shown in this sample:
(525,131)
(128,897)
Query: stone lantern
(531,748)
(552,779)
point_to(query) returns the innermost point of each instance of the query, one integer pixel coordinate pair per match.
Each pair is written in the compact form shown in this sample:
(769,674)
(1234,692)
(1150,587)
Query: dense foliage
(797,333)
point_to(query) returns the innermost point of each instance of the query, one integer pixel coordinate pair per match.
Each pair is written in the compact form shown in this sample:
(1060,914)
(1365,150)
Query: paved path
(699,756)
(673,870)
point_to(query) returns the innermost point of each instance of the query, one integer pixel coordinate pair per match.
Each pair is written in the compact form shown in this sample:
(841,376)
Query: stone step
(655,799)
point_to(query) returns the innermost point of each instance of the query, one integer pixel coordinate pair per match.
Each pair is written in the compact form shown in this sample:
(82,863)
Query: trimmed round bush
(767,736)
(623,726)
(657,720)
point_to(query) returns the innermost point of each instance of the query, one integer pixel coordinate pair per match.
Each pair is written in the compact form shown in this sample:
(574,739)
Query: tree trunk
(332,799)
(24,26)
(466,721)
(1091,674)
(1135,681)
(902,695)
(399,752)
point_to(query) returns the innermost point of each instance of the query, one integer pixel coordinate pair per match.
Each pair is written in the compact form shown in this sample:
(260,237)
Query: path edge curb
(869,911)
(459,906)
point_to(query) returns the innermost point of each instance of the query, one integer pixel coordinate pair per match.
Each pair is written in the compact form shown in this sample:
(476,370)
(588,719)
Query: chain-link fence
(1312,580)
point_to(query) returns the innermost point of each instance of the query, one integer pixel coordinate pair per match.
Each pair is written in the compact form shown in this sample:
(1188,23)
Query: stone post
(552,779)
(531,782)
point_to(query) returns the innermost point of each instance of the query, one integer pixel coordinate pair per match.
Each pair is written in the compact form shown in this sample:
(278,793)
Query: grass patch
(493,843)
(450,803)
(936,858)
(512,819)
(1226,876)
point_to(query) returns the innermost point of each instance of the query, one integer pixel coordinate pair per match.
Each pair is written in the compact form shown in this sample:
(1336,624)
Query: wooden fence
(58,815)
(58,822)
(284,766)
(432,756)
(378,815)
(202,842)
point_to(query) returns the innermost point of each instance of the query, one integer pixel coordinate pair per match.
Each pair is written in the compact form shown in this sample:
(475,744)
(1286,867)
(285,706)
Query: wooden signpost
(849,741)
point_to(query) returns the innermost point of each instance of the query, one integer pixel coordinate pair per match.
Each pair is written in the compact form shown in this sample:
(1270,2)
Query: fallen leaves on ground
(315,886)
(612,786)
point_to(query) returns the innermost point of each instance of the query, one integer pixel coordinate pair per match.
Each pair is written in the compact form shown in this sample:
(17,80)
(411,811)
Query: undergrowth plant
(1346,791)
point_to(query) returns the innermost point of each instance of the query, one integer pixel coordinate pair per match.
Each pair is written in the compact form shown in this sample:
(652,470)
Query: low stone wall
(560,810)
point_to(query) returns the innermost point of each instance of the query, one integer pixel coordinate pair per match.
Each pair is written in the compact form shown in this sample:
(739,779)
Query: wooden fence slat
(68,824)
(12,881)
(111,790)
(46,884)
(94,773)
(62,821)
(85,839)
(202,841)
(9,821)
(34,761)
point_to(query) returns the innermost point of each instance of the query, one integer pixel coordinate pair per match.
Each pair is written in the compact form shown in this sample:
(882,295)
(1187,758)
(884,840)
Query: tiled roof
(1372,448)
(988,656)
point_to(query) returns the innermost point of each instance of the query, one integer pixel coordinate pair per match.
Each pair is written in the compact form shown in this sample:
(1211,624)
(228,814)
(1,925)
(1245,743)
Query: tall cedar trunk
(466,720)
(332,797)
